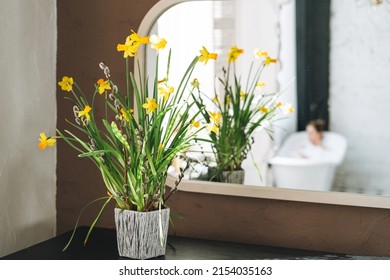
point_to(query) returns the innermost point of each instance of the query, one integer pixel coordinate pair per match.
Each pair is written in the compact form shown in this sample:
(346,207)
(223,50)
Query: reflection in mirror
(357,94)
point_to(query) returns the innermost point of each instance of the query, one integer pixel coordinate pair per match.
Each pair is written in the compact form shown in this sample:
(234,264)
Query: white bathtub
(307,174)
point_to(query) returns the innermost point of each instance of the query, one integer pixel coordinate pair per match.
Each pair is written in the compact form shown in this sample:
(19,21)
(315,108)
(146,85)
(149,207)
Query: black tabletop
(102,245)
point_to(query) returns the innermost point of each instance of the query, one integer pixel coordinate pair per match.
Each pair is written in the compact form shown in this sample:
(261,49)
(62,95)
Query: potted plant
(133,151)
(235,116)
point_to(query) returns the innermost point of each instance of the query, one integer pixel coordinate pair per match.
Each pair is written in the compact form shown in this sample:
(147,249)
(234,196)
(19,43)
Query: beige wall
(27,107)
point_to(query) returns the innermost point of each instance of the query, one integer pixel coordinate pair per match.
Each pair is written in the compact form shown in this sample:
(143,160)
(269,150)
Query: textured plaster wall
(359,93)
(27,107)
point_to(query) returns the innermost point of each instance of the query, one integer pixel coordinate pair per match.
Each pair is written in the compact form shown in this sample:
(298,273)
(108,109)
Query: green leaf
(78,219)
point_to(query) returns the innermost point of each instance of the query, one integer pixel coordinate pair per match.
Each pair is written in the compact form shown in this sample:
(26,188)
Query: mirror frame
(334,198)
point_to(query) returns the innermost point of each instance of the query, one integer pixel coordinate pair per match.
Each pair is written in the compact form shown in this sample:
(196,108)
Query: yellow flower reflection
(215,117)
(205,55)
(150,105)
(85,112)
(157,43)
(268,60)
(195,123)
(212,128)
(243,95)
(195,83)
(103,86)
(264,109)
(45,141)
(234,53)
(288,108)
(260,85)
(165,90)
(66,84)
(260,53)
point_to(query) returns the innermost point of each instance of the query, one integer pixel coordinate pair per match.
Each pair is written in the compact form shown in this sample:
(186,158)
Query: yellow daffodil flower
(45,141)
(259,53)
(103,85)
(150,105)
(66,84)
(165,90)
(205,55)
(268,60)
(195,83)
(215,117)
(264,109)
(279,104)
(125,115)
(234,53)
(85,112)
(127,48)
(131,44)
(137,40)
(157,43)
(288,108)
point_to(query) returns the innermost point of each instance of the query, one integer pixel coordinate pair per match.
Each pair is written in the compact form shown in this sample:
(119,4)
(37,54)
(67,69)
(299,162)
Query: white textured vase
(141,235)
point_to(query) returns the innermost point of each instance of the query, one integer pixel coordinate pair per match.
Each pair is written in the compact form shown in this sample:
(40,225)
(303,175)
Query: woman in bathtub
(314,148)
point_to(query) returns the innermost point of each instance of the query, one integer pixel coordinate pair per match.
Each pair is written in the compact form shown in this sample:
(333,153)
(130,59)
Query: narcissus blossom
(66,84)
(103,86)
(150,106)
(85,112)
(45,141)
(130,47)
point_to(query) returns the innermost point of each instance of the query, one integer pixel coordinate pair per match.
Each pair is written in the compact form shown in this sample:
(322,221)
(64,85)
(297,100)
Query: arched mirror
(356,98)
